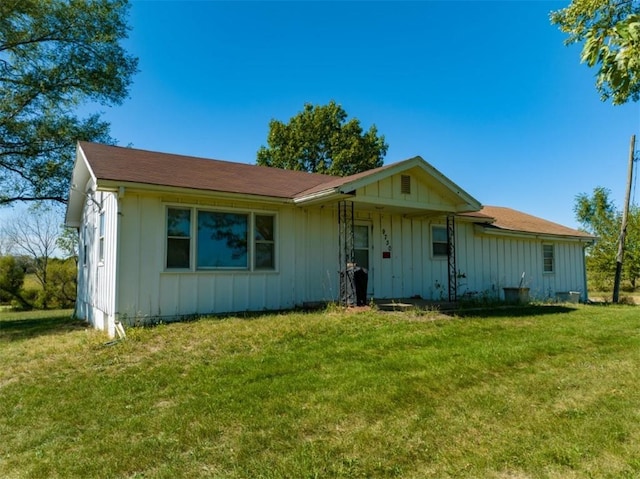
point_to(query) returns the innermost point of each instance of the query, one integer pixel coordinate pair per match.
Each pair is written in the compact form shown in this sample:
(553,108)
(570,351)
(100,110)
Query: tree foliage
(54,56)
(610,30)
(599,216)
(11,279)
(319,139)
(35,235)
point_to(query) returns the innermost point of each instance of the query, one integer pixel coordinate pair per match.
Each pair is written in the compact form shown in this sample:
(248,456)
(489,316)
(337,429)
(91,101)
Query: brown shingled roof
(146,167)
(517,221)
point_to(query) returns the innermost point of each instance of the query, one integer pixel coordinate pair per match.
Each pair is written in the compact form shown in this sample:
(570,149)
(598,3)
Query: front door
(362,250)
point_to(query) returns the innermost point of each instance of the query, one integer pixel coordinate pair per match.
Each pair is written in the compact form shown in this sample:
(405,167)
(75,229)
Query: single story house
(170,236)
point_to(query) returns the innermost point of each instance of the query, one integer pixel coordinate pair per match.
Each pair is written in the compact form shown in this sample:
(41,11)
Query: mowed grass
(540,392)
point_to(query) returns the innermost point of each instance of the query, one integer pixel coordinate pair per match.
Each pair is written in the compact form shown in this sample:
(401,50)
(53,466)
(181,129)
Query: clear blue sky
(484,91)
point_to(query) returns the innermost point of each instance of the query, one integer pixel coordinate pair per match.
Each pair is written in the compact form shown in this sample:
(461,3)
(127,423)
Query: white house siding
(97,276)
(314,257)
(306,263)
(485,264)
(492,262)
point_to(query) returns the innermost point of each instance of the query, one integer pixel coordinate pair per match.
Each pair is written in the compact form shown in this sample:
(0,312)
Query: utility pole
(623,227)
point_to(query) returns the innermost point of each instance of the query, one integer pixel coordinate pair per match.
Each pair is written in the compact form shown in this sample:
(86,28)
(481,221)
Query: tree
(68,242)
(54,56)
(610,30)
(11,280)
(35,236)
(320,140)
(599,216)
(62,282)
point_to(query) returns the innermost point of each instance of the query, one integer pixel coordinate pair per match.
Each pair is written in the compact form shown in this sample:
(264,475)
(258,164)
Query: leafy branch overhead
(319,139)
(610,31)
(55,55)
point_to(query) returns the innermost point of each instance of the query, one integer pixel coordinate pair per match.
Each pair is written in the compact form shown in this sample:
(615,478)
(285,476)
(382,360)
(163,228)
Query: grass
(540,392)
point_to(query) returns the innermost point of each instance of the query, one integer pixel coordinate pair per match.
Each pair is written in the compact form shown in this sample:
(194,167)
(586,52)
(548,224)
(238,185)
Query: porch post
(451,258)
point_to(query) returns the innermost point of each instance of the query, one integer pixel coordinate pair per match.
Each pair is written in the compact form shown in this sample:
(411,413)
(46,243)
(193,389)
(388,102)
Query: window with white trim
(205,239)
(439,244)
(178,238)
(547,258)
(265,244)
(101,237)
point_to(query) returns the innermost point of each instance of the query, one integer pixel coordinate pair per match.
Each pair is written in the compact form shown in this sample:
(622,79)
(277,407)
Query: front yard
(538,392)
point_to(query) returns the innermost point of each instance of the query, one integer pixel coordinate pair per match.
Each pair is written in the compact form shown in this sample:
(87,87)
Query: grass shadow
(27,328)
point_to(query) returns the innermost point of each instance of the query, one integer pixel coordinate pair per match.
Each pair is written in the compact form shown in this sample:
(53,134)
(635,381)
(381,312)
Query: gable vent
(405,184)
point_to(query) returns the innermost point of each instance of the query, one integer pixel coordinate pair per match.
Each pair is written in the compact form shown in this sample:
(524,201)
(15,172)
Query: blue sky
(484,91)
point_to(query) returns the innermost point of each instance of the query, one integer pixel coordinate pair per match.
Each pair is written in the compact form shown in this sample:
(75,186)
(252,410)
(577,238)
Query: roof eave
(111,185)
(81,175)
(496,231)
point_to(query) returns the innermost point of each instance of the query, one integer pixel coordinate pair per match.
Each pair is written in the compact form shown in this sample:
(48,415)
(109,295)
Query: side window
(265,257)
(84,245)
(547,258)
(178,238)
(101,238)
(439,245)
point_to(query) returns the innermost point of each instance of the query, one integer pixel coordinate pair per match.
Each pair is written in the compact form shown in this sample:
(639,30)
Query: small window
(361,245)
(439,241)
(178,238)
(547,257)
(264,242)
(405,184)
(222,240)
(101,238)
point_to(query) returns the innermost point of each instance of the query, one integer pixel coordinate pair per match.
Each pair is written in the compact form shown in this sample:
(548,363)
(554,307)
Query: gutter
(525,234)
(319,196)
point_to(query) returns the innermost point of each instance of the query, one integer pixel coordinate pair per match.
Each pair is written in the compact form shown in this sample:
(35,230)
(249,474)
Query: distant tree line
(599,216)
(32,273)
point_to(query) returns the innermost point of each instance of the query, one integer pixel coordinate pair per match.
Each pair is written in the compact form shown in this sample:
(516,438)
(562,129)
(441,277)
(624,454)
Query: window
(101,238)
(178,238)
(264,243)
(361,245)
(547,258)
(209,240)
(222,240)
(439,241)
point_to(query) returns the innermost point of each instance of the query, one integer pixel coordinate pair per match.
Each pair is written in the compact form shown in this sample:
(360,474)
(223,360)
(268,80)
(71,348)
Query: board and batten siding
(307,267)
(96,300)
(485,264)
(492,262)
(306,263)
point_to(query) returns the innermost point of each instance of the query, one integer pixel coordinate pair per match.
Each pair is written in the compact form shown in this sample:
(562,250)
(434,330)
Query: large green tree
(610,33)
(598,215)
(319,139)
(55,56)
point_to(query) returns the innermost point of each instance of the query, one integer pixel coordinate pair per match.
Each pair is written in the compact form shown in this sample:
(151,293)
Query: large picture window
(222,240)
(209,240)
(178,238)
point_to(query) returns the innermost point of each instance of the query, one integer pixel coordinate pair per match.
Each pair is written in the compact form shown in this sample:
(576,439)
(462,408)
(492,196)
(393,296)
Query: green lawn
(540,392)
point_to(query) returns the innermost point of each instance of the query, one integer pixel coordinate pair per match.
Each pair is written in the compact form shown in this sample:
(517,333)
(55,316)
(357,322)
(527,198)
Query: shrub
(11,279)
